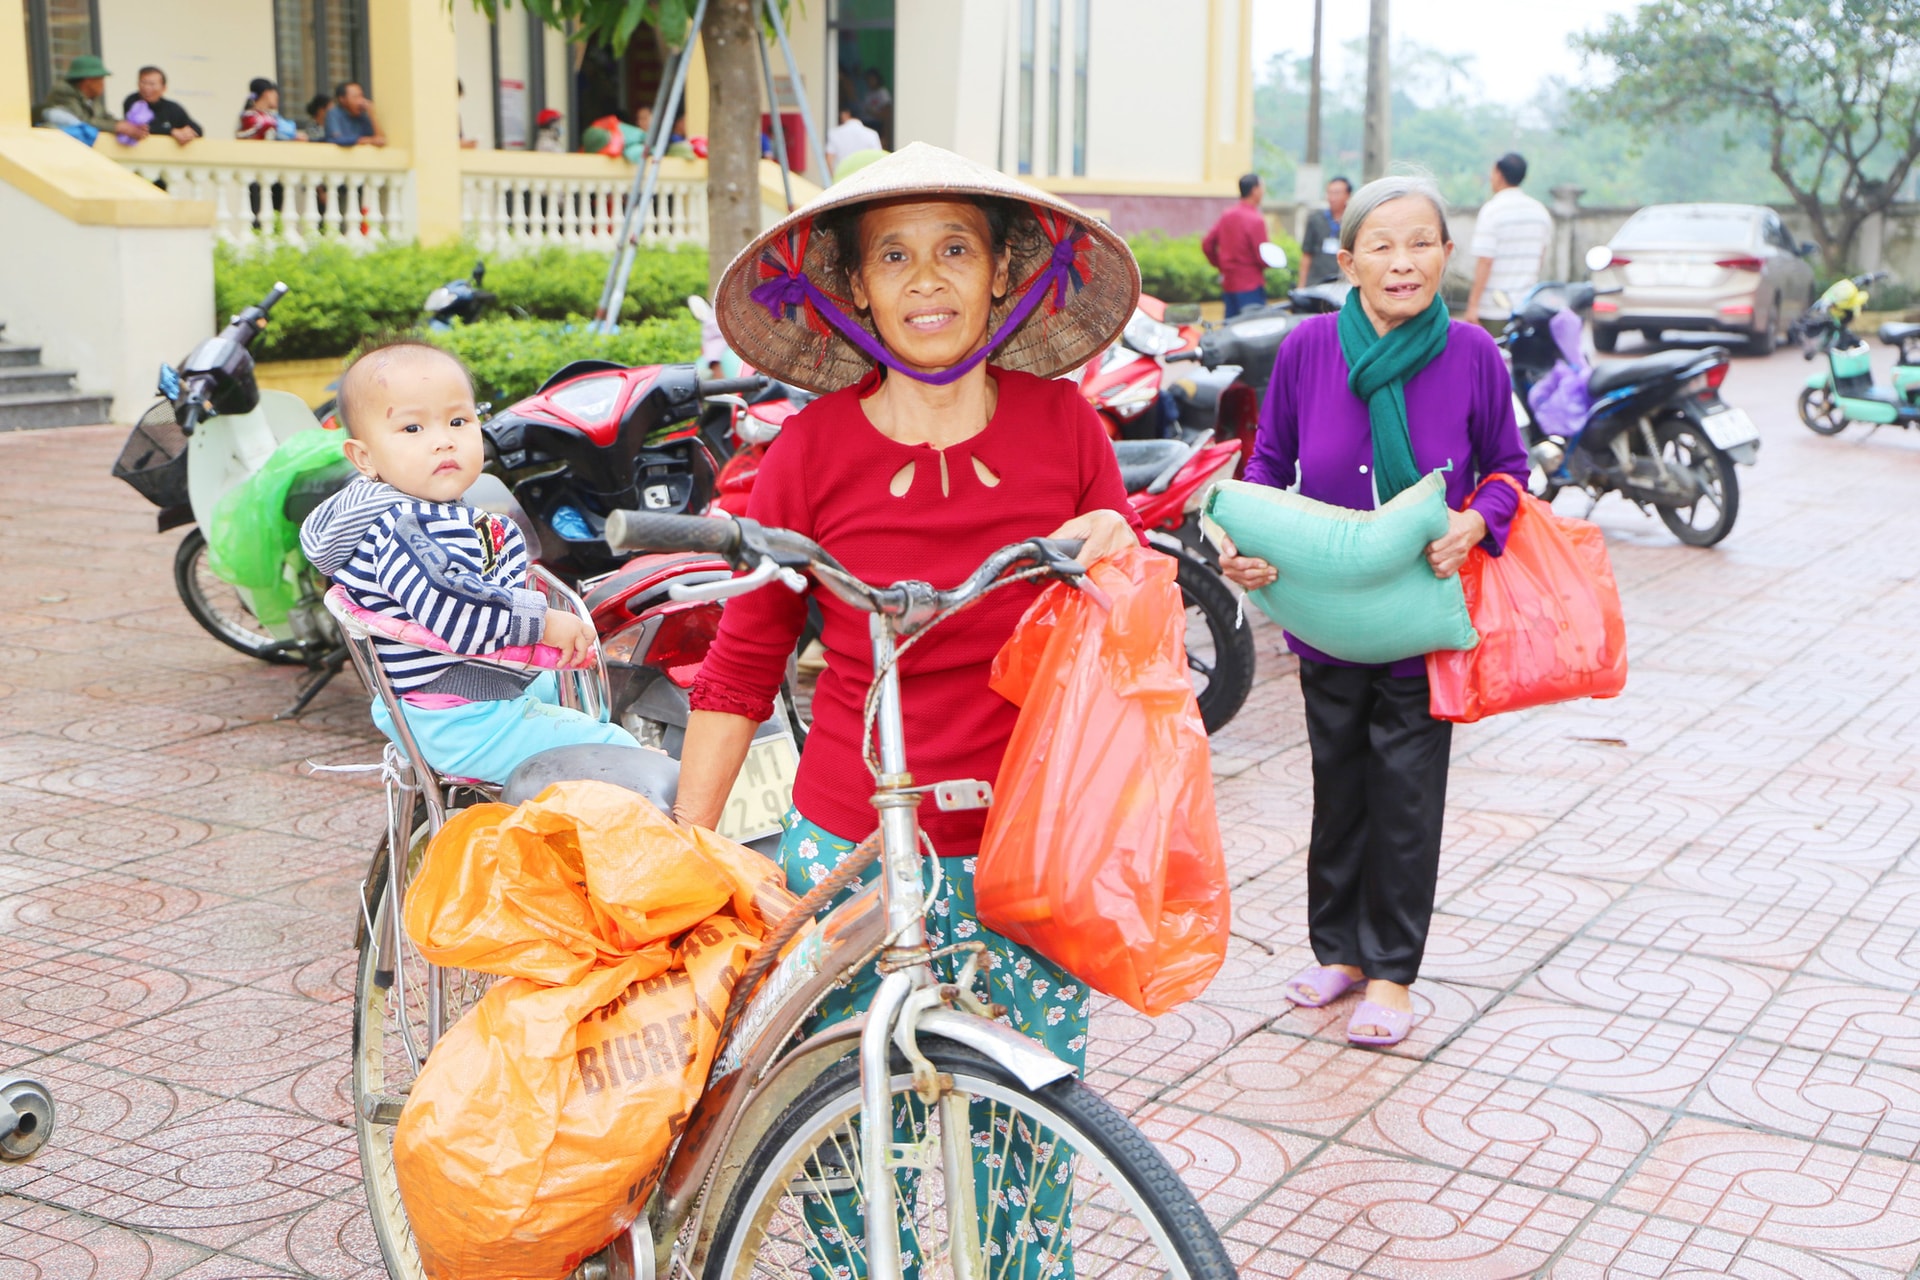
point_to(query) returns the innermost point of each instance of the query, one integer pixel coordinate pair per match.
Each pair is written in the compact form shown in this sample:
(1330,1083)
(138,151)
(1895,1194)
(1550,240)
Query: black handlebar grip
(651,531)
(710,387)
(1184,355)
(1066,548)
(274,295)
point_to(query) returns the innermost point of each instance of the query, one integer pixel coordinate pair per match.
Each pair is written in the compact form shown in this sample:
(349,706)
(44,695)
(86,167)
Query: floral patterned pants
(1044,1002)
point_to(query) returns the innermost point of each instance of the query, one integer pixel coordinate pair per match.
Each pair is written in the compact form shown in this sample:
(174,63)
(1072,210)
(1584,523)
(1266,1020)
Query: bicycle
(783,1126)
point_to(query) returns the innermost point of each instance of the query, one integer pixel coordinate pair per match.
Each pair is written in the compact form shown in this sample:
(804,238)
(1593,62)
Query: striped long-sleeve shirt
(456,570)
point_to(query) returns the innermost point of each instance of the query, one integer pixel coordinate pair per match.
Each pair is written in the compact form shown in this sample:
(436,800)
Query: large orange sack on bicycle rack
(1102,851)
(542,1119)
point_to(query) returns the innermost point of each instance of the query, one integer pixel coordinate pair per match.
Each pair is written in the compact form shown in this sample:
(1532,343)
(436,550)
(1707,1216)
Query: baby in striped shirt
(403,544)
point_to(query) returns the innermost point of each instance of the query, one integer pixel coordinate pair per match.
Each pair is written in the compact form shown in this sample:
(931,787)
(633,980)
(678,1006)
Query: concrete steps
(32,396)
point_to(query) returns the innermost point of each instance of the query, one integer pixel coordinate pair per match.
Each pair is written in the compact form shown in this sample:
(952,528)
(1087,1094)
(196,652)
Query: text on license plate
(762,792)
(1729,427)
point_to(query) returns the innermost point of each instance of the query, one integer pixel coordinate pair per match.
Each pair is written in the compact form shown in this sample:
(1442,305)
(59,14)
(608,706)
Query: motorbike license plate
(763,791)
(1729,427)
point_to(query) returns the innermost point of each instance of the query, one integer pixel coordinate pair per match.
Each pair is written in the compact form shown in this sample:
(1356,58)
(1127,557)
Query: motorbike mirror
(1599,258)
(1808,248)
(701,308)
(1273,255)
(479,271)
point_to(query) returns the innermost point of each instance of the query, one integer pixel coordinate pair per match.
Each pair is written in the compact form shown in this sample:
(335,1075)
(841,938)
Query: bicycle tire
(1065,1105)
(373,1062)
(236,632)
(1230,677)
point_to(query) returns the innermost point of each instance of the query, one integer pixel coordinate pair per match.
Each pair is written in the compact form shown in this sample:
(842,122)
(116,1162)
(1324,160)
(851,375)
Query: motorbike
(1844,392)
(1238,356)
(1653,430)
(1127,383)
(244,467)
(461,300)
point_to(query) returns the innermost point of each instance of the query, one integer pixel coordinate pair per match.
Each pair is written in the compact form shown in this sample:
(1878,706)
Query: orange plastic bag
(543,1117)
(1102,850)
(1548,614)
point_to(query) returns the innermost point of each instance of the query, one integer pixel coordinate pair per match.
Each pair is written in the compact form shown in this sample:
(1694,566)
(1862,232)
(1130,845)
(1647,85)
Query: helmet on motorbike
(781,303)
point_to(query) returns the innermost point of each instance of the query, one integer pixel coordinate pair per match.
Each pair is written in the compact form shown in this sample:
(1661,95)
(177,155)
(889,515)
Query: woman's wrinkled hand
(1249,573)
(1465,530)
(1104,532)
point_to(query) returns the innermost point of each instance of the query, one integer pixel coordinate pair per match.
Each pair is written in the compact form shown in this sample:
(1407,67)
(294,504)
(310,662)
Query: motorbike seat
(1895,333)
(1142,461)
(653,774)
(1625,373)
(315,487)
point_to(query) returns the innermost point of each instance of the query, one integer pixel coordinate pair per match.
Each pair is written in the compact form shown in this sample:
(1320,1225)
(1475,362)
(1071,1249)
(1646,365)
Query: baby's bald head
(371,374)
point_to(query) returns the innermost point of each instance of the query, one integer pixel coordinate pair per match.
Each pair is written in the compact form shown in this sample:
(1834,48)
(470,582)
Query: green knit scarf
(1378,366)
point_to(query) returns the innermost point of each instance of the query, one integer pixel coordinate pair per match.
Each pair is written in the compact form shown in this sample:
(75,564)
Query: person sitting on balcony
(548,133)
(81,100)
(317,107)
(350,120)
(260,119)
(164,115)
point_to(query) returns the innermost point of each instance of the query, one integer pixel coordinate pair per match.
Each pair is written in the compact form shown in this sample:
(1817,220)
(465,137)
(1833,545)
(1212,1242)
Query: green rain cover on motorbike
(251,534)
(1355,585)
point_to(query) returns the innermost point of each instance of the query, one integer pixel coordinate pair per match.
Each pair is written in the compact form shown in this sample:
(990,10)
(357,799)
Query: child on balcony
(402,543)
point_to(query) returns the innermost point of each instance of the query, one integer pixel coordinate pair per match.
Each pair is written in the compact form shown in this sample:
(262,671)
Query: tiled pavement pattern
(1668,1022)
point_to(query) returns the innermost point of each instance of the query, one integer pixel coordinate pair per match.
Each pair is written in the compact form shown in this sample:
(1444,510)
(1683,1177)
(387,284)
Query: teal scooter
(1844,392)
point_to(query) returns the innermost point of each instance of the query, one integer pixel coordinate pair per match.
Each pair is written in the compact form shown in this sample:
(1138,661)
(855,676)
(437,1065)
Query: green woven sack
(1355,585)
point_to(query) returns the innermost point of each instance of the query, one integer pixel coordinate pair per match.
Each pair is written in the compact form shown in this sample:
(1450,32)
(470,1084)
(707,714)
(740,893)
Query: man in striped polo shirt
(1510,242)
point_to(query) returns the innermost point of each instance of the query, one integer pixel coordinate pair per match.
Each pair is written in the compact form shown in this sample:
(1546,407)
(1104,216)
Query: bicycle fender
(1028,1061)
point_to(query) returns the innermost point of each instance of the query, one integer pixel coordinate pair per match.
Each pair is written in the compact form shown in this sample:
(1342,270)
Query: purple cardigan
(1459,413)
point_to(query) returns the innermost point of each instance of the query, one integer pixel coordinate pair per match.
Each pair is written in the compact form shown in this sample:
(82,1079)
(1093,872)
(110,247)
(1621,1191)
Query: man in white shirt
(847,137)
(1510,242)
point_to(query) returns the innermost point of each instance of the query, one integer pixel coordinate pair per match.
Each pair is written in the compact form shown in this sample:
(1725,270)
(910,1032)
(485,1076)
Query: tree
(733,95)
(1834,83)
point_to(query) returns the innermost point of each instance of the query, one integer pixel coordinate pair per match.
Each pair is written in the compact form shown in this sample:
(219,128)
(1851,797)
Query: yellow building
(1139,108)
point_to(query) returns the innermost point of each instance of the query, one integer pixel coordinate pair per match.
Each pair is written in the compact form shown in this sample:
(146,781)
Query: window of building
(1029,19)
(58,31)
(317,45)
(1081,20)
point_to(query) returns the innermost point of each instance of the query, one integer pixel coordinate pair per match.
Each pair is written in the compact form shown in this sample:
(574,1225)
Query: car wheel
(1605,339)
(1763,341)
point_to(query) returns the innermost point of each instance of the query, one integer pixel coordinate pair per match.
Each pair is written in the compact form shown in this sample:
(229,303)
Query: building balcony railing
(268,194)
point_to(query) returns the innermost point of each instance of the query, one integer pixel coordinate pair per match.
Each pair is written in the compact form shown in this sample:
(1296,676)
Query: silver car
(1724,268)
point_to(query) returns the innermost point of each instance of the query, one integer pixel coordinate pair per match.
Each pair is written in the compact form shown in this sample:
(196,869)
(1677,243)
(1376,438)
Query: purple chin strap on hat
(787,292)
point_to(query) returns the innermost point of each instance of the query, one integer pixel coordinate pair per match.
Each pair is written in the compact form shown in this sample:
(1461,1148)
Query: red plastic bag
(1548,614)
(1102,849)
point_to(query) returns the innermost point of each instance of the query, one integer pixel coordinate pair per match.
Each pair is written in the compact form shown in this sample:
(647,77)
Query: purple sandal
(1326,984)
(1397,1022)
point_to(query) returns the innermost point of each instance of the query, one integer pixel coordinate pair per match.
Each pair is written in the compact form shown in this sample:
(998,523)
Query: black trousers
(1379,798)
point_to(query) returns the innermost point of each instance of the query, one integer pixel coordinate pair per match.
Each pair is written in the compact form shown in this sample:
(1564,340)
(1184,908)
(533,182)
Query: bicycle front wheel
(995,1182)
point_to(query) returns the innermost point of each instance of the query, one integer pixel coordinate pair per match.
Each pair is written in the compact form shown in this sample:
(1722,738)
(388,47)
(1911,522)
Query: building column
(1228,150)
(16,79)
(415,76)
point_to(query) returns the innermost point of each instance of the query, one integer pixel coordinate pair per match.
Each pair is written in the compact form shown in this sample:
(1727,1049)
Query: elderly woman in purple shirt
(1379,758)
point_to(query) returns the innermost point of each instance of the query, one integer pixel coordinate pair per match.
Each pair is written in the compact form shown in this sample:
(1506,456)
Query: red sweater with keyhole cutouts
(830,475)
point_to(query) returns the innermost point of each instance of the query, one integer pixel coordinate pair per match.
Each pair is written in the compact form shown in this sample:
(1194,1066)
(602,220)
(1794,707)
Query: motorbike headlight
(439,300)
(1149,336)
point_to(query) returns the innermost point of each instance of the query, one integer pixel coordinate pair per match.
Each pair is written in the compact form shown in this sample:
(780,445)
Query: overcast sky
(1517,42)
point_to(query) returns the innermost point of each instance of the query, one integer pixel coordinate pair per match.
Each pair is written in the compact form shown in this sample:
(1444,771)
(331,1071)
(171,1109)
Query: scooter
(1653,430)
(1844,392)
(245,466)
(461,300)
(1126,384)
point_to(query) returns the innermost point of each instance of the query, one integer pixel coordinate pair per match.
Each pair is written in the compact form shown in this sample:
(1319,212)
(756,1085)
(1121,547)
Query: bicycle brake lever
(767,571)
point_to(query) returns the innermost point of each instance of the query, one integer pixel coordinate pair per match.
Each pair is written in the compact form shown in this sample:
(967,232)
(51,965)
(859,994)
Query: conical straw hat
(795,346)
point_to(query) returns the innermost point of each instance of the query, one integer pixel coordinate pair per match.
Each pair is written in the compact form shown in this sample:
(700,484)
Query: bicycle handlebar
(770,553)
(711,387)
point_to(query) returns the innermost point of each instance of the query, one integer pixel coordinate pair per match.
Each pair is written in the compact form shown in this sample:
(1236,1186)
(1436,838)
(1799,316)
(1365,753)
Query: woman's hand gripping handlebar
(767,554)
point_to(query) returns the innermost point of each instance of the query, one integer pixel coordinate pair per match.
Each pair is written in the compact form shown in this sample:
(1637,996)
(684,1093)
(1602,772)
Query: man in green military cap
(84,97)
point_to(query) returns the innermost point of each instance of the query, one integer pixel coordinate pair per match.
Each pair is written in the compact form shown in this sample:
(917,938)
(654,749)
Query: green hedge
(511,358)
(1175,269)
(337,298)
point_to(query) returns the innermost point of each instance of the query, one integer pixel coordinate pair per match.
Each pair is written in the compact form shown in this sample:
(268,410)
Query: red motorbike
(599,437)
(1128,384)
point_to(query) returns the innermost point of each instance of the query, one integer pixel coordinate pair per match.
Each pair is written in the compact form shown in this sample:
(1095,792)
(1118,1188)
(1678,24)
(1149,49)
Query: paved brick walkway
(1668,1022)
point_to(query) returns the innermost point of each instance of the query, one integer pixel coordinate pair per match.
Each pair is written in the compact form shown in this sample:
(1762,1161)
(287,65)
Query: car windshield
(1687,226)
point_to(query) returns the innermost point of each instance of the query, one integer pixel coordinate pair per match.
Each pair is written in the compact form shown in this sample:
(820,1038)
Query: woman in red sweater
(888,293)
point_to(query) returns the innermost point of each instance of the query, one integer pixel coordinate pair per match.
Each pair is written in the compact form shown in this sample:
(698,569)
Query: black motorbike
(1656,430)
